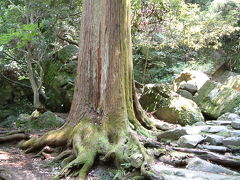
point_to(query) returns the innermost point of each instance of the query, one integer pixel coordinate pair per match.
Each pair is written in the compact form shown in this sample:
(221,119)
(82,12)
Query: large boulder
(169,106)
(180,110)
(215,99)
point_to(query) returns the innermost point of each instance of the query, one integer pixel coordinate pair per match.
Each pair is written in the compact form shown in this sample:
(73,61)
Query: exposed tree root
(53,138)
(89,140)
(15,135)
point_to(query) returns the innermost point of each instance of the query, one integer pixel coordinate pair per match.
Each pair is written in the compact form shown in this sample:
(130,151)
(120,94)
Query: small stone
(214,139)
(231,141)
(136,160)
(190,141)
(219,149)
(236,124)
(189,87)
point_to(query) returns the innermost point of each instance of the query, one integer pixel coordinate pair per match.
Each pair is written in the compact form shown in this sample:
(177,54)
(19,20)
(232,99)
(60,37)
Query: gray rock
(234,133)
(216,129)
(214,139)
(196,129)
(189,87)
(231,141)
(45,121)
(198,164)
(173,134)
(236,124)
(190,141)
(185,93)
(219,149)
(229,117)
(172,173)
(165,126)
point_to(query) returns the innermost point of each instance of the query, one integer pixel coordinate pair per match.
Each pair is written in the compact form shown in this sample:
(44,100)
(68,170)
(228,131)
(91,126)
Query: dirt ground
(16,165)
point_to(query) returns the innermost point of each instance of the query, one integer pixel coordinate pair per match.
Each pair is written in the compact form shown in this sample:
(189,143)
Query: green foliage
(173,35)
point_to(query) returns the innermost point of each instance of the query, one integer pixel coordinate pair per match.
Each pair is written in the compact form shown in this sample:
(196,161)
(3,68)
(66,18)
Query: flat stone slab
(169,173)
(216,129)
(198,164)
(235,133)
(231,141)
(190,141)
(196,129)
(173,134)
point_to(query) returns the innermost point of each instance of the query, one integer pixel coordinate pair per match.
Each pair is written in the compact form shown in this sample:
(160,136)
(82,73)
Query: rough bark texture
(104,82)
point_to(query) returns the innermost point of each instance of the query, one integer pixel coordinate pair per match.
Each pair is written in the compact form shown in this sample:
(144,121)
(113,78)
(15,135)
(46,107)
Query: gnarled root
(110,140)
(53,138)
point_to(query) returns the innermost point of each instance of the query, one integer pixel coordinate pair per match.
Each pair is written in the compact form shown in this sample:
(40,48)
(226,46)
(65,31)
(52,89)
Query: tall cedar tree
(105,116)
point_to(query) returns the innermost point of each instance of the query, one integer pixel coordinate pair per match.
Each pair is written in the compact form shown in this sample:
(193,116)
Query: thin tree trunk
(34,84)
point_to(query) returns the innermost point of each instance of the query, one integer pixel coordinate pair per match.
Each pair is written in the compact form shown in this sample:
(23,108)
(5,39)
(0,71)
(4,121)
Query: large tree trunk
(104,77)
(102,108)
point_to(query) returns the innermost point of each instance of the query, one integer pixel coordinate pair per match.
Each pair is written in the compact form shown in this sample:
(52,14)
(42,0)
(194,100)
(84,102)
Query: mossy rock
(154,96)
(9,122)
(180,111)
(22,120)
(215,99)
(169,106)
(47,120)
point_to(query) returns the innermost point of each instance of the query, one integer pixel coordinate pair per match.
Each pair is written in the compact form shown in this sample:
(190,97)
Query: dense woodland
(120,89)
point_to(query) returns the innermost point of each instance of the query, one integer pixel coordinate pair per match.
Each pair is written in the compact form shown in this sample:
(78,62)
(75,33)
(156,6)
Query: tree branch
(68,40)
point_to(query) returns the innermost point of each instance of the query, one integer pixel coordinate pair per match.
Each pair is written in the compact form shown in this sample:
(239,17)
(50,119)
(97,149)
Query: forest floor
(17,165)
